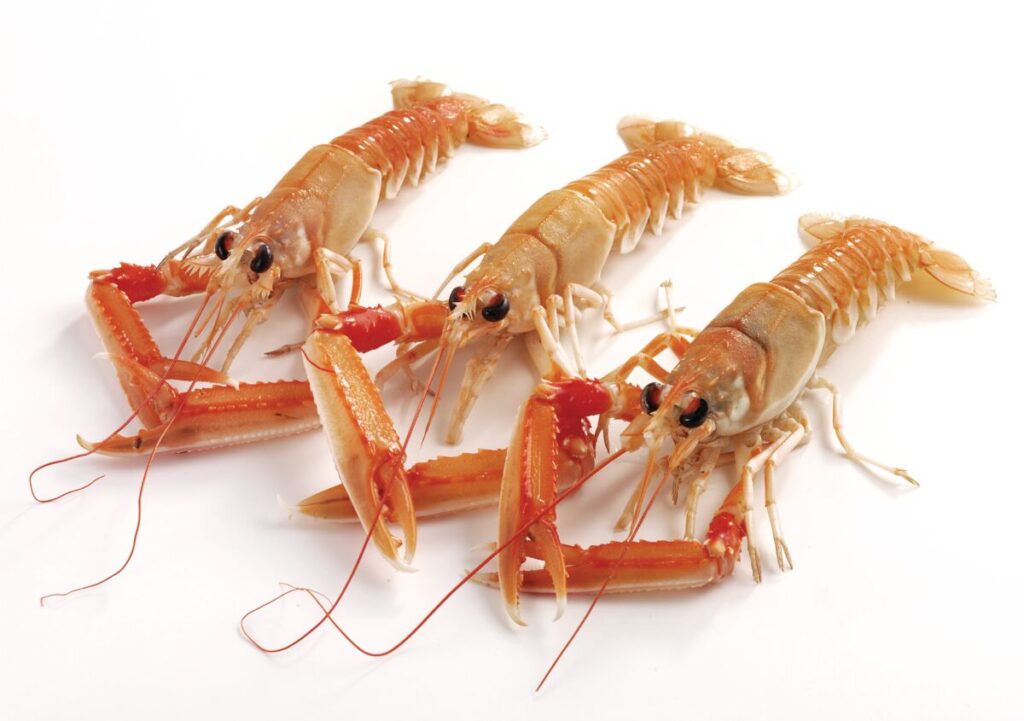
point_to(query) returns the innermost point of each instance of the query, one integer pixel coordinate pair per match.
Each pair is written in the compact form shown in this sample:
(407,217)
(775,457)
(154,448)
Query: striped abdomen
(407,143)
(852,272)
(638,190)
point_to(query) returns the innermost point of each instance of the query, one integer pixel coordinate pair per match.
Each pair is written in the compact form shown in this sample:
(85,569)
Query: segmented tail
(944,266)
(739,170)
(489,124)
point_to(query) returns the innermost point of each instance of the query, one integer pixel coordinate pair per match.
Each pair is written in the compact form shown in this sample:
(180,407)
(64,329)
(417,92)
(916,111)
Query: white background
(124,127)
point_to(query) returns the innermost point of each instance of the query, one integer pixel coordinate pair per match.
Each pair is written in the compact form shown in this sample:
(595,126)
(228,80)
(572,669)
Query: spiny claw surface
(367,452)
(222,416)
(440,486)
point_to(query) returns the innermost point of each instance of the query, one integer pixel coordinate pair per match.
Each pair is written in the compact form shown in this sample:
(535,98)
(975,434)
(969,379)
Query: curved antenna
(179,406)
(604,586)
(214,310)
(453,337)
(682,451)
(449,357)
(423,396)
(328,611)
(99,446)
(352,572)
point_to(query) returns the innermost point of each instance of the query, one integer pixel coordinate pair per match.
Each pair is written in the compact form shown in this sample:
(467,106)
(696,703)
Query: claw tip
(907,477)
(400,564)
(286,507)
(560,605)
(514,615)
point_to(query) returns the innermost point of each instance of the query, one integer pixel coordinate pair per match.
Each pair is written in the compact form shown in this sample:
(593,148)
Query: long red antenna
(618,562)
(437,606)
(215,310)
(179,406)
(152,394)
(423,397)
(449,357)
(337,600)
(352,571)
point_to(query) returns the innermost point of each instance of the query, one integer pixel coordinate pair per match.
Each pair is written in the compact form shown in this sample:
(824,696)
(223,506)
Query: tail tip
(499,126)
(985,290)
(533,135)
(786,181)
(406,92)
(639,131)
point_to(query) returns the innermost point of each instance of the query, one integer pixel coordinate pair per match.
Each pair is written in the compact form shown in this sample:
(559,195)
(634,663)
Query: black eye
(496,309)
(221,248)
(693,418)
(262,259)
(650,397)
(458,293)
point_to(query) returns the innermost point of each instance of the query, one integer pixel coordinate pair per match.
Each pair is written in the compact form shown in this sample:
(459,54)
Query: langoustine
(529,283)
(734,394)
(244,260)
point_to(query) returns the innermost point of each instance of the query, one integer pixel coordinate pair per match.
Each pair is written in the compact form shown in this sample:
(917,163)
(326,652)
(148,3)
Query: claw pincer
(371,328)
(138,359)
(647,565)
(367,452)
(450,484)
(734,394)
(552,442)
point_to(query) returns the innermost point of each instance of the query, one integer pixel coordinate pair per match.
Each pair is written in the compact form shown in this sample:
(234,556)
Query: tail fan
(738,170)
(490,124)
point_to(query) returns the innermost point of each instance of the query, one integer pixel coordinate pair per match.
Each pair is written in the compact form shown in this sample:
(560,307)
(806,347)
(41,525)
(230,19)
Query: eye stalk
(496,308)
(694,414)
(458,293)
(262,259)
(223,240)
(650,397)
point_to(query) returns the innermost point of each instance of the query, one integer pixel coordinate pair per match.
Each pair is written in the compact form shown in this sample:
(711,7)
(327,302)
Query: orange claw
(142,282)
(451,484)
(110,300)
(224,416)
(527,486)
(552,441)
(440,486)
(644,565)
(561,450)
(366,449)
(370,328)
(216,417)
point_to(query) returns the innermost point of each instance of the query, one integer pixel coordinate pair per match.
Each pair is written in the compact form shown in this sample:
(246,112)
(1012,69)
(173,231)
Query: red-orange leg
(628,565)
(439,486)
(224,416)
(110,299)
(451,484)
(371,328)
(367,452)
(218,417)
(552,422)
(643,565)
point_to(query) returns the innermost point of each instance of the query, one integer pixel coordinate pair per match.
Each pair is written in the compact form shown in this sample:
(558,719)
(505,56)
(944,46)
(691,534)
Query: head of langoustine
(236,262)
(247,264)
(486,305)
(270,246)
(716,390)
